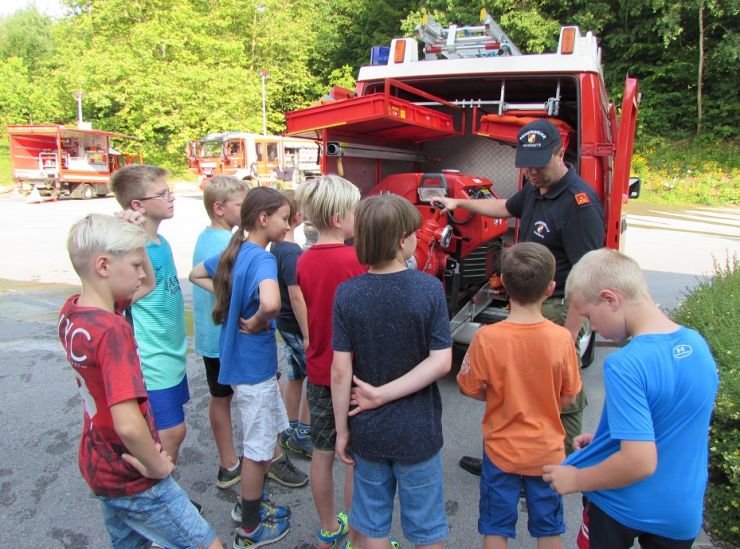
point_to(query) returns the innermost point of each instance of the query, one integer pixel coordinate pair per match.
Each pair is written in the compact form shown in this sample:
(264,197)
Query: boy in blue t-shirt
(644,472)
(158,318)
(222,197)
(391,335)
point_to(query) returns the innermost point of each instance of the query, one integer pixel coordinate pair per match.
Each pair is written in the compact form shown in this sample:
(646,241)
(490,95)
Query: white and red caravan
(62,160)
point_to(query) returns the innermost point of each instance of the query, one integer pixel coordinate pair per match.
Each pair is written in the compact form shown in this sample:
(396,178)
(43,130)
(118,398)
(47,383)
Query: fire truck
(263,159)
(446,125)
(61,160)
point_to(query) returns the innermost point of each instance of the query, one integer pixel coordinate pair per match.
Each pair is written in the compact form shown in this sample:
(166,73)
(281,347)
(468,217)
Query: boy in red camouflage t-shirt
(120,454)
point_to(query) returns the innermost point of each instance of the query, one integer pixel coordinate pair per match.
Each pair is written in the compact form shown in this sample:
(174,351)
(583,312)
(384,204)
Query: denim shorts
(295,356)
(420,494)
(162,514)
(263,418)
(167,404)
(499,500)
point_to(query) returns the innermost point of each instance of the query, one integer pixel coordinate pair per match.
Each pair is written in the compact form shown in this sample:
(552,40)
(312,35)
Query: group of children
(376,338)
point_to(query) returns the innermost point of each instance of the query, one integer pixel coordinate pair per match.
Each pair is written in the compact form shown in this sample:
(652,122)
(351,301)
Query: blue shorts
(163,514)
(295,355)
(167,404)
(499,500)
(420,493)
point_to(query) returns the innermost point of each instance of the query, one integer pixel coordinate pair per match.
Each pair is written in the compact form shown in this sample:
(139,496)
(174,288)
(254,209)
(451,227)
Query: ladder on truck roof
(457,42)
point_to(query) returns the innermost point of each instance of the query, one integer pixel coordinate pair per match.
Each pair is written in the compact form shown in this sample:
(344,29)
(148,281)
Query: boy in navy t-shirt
(391,334)
(644,471)
(292,323)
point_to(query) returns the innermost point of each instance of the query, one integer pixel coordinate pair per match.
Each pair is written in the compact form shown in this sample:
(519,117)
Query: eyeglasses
(164,195)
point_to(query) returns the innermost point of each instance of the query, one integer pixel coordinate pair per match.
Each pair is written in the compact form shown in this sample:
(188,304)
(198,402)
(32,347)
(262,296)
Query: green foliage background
(713,309)
(172,70)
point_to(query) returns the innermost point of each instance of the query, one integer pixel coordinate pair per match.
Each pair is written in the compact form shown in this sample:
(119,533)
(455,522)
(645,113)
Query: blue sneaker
(299,443)
(269,511)
(333,539)
(265,534)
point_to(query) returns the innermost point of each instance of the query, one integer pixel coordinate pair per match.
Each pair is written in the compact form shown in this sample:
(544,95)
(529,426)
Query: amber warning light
(567,40)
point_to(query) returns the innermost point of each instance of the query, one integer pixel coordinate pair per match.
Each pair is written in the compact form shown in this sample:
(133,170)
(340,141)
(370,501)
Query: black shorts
(213,366)
(323,429)
(606,533)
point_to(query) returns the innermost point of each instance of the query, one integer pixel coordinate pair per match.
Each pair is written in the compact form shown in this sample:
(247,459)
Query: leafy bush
(705,172)
(713,308)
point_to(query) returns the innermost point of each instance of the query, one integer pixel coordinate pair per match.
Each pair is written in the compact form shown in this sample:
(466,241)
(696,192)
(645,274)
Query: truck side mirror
(634,187)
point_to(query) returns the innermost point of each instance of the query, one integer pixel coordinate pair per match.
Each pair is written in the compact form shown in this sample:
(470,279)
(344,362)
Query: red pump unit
(443,237)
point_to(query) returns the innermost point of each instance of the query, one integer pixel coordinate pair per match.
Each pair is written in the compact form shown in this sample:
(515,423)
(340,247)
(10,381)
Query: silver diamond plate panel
(475,155)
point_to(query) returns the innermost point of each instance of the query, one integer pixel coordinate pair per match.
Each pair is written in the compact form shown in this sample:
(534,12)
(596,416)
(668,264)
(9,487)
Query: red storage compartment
(380,116)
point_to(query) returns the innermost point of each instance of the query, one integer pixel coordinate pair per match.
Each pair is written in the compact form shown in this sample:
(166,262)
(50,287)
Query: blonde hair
(132,182)
(222,188)
(102,234)
(605,269)
(324,197)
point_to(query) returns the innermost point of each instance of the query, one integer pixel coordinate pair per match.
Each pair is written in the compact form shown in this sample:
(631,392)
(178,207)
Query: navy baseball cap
(535,143)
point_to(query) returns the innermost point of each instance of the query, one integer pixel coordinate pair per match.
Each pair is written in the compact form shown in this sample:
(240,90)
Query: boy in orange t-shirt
(526,371)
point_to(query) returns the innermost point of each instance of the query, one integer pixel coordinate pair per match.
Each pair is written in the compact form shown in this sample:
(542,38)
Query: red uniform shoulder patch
(581,199)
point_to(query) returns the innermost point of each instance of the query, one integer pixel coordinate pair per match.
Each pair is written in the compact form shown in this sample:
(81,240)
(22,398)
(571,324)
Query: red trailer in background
(60,160)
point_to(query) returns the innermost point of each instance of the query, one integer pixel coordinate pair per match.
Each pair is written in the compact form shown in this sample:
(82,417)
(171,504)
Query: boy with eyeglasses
(158,318)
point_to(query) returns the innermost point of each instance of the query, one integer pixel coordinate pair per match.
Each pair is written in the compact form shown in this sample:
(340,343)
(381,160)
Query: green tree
(26,34)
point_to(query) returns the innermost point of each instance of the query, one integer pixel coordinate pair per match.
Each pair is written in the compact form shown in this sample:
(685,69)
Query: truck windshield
(211,148)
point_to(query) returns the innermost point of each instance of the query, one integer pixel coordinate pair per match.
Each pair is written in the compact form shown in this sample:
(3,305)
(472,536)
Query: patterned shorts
(323,429)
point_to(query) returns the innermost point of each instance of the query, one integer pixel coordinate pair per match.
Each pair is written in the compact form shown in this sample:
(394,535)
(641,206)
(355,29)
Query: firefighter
(555,208)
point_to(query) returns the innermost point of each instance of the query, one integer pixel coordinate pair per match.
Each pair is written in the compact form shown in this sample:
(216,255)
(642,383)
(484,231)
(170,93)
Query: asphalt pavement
(45,503)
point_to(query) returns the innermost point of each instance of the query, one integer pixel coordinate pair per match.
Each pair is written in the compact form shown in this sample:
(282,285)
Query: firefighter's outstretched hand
(137,218)
(444,203)
(364,397)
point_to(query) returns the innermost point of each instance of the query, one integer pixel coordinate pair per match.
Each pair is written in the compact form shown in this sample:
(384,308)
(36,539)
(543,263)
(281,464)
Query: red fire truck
(446,125)
(264,159)
(62,160)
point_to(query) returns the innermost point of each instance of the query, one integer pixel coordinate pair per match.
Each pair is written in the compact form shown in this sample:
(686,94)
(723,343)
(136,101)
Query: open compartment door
(625,141)
(382,117)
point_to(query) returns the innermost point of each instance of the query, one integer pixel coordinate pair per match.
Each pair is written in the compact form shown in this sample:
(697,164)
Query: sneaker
(471,464)
(284,472)
(284,436)
(226,478)
(334,538)
(394,544)
(300,445)
(265,534)
(269,511)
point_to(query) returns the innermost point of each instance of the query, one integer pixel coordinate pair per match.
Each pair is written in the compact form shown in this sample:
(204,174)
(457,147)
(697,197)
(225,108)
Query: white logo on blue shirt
(682,351)
(540,229)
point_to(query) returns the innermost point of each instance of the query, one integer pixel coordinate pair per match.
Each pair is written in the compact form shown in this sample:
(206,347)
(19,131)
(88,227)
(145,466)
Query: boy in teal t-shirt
(158,318)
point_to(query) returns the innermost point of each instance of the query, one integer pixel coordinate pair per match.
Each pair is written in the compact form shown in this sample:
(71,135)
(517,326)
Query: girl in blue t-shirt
(244,281)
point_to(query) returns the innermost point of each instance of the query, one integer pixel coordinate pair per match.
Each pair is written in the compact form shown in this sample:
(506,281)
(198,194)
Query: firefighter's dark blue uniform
(568,219)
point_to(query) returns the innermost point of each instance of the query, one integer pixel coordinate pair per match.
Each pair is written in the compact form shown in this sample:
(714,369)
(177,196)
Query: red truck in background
(60,160)
(446,125)
(263,159)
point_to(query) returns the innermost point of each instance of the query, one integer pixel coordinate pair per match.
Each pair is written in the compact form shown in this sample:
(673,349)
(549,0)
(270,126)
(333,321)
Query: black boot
(471,464)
